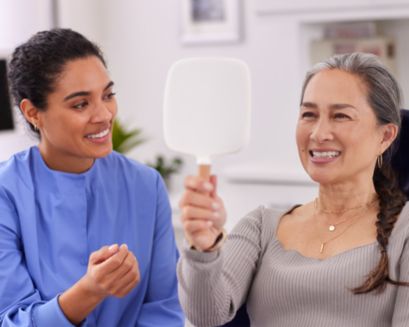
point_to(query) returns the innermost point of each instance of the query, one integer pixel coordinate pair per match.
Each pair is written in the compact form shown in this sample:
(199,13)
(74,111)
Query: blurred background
(278,39)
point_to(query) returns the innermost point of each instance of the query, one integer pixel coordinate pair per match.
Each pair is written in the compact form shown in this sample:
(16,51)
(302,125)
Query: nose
(321,131)
(103,112)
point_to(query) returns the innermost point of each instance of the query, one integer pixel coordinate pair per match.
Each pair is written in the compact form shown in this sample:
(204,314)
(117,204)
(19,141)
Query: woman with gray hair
(341,259)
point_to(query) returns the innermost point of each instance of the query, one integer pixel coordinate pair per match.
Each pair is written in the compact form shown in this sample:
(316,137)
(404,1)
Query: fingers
(195,183)
(213,181)
(133,281)
(193,226)
(126,266)
(119,273)
(200,193)
(190,212)
(114,261)
(127,281)
(103,253)
(125,277)
(202,211)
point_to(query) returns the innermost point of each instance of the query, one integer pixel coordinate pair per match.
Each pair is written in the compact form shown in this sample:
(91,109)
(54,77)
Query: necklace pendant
(322,248)
(331,228)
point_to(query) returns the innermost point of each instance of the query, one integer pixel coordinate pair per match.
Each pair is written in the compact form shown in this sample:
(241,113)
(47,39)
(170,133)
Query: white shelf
(280,7)
(265,173)
(393,27)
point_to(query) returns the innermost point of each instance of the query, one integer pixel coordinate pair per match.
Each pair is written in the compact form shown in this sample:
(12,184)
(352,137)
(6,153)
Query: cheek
(114,108)
(301,137)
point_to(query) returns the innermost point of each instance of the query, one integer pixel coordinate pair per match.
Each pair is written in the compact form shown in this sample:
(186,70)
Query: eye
(308,115)
(341,116)
(80,105)
(109,96)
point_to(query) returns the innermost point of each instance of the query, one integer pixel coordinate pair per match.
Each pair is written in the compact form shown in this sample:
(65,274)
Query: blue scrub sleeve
(161,305)
(20,303)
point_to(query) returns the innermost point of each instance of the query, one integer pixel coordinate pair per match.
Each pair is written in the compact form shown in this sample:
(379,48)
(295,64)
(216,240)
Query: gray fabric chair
(400,159)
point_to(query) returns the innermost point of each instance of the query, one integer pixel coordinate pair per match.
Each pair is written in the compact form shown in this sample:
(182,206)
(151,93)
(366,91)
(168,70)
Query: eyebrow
(334,106)
(86,93)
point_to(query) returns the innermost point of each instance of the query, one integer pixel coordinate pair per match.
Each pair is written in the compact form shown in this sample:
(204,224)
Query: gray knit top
(285,288)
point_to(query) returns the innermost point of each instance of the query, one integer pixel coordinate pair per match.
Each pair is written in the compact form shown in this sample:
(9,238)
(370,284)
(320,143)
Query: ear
(30,112)
(389,134)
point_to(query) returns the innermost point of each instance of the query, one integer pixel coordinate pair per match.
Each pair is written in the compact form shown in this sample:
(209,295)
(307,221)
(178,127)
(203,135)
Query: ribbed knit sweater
(286,289)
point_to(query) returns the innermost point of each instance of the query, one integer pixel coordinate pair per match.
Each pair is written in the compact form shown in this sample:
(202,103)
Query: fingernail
(124,246)
(215,205)
(216,214)
(209,223)
(113,248)
(208,186)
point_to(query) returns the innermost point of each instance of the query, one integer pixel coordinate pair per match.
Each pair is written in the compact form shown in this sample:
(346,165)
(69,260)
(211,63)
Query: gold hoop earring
(379,161)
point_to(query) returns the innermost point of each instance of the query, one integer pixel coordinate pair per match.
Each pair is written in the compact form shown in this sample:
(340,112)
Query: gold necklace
(324,243)
(333,227)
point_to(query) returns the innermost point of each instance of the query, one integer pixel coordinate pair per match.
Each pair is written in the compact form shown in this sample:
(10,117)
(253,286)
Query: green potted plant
(166,167)
(124,140)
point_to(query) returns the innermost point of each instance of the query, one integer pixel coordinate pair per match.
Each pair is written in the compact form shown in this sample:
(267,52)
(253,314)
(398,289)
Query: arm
(161,305)
(401,311)
(20,302)
(213,285)
(111,271)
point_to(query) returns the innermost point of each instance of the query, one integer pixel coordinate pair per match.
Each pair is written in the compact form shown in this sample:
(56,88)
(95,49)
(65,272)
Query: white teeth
(102,134)
(325,154)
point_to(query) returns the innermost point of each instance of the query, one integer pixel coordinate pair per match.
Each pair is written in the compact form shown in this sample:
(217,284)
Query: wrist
(79,301)
(90,291)
(217,244)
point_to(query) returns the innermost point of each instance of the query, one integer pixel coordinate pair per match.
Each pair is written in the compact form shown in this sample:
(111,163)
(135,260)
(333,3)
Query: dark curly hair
(384,97)
(36,64)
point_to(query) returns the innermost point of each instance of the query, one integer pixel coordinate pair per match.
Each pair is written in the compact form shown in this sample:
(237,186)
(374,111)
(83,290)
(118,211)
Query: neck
(68,163)
(342,198)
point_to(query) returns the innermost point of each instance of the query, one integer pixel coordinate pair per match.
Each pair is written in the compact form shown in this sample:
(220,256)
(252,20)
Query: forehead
(335,86)
(86,74)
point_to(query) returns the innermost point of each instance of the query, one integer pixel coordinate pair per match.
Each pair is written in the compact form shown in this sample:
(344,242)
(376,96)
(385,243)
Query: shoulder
(262,221)
(129,173)
(122,165)
(266,215)
(16,179)
(16,168)
(402,224)
(400,232)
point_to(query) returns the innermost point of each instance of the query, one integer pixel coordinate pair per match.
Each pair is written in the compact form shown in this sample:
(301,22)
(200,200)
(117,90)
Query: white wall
(141,39)
(19,19)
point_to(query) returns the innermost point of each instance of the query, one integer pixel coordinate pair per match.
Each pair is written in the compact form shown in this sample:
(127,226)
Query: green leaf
(124,140)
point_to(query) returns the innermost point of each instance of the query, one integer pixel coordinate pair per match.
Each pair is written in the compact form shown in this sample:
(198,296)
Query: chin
(323,181)
(100,153)
(322,177)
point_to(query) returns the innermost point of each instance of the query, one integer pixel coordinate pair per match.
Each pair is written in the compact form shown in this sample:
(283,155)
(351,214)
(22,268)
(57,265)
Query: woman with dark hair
(341,259)
(85,233)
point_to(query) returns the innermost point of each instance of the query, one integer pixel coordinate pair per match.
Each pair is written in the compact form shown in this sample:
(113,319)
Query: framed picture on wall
(210,21)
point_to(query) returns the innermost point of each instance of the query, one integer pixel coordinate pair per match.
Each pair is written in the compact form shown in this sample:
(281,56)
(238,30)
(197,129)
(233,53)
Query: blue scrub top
(51,221)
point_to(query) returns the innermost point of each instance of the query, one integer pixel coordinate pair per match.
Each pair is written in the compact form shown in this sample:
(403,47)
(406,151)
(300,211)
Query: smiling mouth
(324,154)
(98,135)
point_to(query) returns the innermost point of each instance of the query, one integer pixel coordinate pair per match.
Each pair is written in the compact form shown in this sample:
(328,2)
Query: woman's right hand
(112,270)
(202,212)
